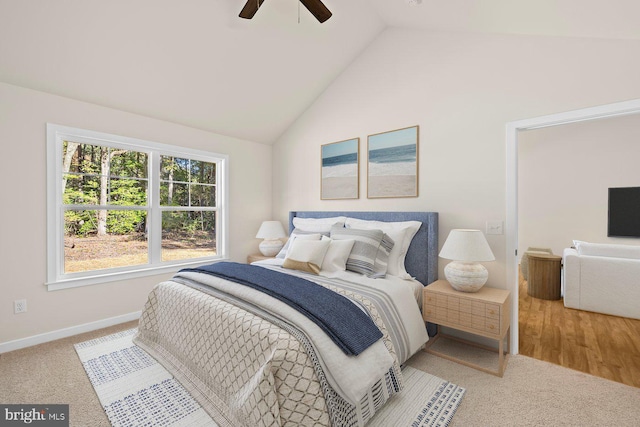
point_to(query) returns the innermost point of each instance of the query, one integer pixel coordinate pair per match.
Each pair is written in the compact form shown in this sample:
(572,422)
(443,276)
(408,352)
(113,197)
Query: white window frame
(56,277)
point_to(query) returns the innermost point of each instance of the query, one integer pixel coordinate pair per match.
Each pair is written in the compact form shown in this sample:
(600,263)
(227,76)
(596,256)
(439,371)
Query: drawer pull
(428,298)
(492,327)
(492,312)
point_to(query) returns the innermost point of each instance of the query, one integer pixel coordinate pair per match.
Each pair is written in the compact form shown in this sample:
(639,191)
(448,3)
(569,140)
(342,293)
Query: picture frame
(392,163)
(340,171)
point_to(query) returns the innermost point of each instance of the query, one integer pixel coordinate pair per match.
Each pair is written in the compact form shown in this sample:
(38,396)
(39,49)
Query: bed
(251,359)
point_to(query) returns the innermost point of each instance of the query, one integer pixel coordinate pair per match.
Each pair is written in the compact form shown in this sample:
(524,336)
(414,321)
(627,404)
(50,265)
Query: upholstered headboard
(422,257)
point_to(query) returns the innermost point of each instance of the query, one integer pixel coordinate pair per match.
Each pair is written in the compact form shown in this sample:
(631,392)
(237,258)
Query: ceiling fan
(316,7)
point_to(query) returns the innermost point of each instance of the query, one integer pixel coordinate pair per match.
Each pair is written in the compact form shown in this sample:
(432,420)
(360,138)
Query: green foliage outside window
(96,175)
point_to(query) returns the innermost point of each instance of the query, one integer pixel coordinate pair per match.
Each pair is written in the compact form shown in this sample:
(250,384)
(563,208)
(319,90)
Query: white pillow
(402,233)
(296,234)
(337,255)
(306,255)
(318,225)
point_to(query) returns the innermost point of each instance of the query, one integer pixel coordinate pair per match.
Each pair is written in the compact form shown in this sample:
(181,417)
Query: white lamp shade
(466,245)
(271,230)
(466,248)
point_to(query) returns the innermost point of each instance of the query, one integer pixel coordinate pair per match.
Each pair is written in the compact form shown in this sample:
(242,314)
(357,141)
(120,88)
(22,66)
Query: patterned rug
(135,390)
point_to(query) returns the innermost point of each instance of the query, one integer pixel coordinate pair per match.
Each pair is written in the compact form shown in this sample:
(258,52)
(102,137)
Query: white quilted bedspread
(249,366)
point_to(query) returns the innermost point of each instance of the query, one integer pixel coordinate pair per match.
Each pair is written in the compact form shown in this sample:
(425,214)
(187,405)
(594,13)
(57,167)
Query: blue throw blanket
(344,322)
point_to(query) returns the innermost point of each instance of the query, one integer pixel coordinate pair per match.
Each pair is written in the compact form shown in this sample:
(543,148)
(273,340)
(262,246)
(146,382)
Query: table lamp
(271,232)
(466,248)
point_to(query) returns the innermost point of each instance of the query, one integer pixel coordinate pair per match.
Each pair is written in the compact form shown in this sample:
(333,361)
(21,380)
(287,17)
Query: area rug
(135,390)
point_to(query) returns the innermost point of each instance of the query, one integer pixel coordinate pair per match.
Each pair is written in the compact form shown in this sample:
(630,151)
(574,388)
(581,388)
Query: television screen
(624,212)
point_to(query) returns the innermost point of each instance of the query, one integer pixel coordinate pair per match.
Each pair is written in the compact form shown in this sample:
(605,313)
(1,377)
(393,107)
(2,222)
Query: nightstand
(485,313)
(257,257)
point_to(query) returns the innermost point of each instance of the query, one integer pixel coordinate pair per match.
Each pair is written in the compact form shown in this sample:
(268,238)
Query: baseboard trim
(67,332)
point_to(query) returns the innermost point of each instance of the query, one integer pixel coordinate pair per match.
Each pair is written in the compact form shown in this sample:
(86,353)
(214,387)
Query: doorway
(513,128)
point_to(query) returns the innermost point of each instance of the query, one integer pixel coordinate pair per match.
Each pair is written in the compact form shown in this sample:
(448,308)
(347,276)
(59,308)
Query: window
(120,207)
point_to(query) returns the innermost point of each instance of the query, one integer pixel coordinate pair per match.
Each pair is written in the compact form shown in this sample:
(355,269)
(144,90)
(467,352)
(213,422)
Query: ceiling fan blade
(250,8)
(317,9)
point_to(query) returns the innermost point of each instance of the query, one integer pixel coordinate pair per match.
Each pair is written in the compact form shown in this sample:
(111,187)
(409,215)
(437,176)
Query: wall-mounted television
(624,212)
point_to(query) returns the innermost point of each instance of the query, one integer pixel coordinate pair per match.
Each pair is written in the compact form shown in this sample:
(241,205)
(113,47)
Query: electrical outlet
(20,306)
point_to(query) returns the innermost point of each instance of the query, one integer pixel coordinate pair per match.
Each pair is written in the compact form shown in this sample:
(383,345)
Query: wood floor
(598,344)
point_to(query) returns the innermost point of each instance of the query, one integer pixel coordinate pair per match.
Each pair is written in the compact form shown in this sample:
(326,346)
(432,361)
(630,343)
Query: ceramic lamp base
(466,276)
(270,247)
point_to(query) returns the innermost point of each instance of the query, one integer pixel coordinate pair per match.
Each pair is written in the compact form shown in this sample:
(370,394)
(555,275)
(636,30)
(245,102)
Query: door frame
(512,128)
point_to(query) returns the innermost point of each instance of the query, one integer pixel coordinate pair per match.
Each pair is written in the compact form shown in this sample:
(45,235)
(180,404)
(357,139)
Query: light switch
(494,227)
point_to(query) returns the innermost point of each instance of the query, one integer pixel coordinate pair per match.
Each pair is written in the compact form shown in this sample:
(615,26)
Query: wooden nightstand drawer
(477,322)
(441,300)
(493,311)
(492,326)
(428,312)
(465,305)
(453,303)
(478,308)
(429,298)
(465,319)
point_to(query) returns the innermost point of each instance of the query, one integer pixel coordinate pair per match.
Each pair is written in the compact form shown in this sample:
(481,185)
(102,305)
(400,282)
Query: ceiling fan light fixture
(316,7)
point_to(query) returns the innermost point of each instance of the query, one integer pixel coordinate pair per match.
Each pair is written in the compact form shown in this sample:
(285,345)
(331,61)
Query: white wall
(461,89)
(564,173)
(23,116)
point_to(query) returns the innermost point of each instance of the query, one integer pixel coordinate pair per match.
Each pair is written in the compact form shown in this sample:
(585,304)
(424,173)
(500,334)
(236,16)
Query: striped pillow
(382,257)
(366,257)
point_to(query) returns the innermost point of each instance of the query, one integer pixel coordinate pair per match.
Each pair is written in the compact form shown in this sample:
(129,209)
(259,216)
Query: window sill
(127,275)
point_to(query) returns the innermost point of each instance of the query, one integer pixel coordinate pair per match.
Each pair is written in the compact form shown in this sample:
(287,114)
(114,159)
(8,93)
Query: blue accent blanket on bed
(345,323)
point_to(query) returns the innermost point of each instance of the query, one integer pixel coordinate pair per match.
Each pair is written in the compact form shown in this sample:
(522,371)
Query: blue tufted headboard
(422,257)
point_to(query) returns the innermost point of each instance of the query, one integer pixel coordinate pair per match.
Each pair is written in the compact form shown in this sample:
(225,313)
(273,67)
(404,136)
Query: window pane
(174,168)
(81,158)
(173,194)
(188,235)
(127,192)
(203,195)
(88,168)
(176,174)
(126,163)
(99,239)
(203,172)
(167,165)
(80,189)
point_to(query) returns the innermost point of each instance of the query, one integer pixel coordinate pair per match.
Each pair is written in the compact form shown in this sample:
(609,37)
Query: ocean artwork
(340,170)
(392,168)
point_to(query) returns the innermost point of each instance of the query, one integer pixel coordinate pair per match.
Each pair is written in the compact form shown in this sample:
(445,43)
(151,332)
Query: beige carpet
(532,392)
(52,373)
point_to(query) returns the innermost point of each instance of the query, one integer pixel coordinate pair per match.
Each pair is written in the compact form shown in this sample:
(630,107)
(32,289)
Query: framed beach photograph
(340,170)
(392,163)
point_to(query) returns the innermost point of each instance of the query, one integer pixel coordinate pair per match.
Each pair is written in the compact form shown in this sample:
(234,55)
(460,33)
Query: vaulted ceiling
(195,62)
